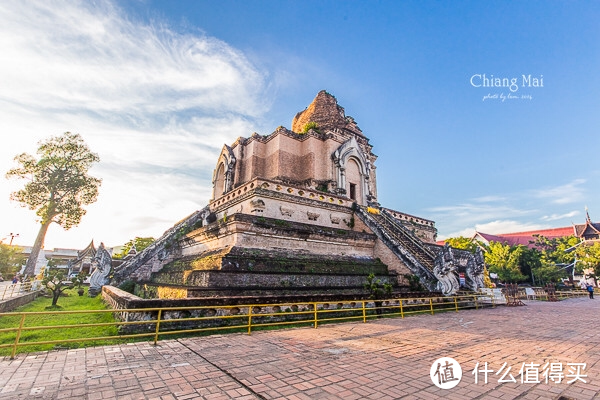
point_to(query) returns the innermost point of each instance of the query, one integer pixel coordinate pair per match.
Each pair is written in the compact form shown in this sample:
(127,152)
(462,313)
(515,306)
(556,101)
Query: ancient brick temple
(296,212)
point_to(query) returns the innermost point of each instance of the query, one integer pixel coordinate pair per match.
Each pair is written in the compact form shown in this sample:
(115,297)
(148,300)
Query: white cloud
(495,227)
(155,104)
(469,214)
(555,217)
(571,192)
(489,199)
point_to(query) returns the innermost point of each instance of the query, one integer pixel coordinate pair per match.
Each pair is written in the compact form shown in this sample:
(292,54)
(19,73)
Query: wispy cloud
(155,104)
(495,227)
(506,213)
(489,199)
(555,217)
(471,213)
(571,192)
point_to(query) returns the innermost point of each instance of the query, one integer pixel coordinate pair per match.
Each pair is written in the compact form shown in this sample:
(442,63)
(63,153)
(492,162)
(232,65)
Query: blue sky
(157,87)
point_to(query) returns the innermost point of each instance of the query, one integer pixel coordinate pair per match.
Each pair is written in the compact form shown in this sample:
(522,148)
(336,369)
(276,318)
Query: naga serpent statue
(474,270)
(100,275)
(444,269)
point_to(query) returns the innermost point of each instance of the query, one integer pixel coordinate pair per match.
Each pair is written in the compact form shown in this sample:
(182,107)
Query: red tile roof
(527,238)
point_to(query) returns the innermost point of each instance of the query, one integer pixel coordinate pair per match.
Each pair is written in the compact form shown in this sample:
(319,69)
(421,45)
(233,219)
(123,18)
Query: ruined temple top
(325,111)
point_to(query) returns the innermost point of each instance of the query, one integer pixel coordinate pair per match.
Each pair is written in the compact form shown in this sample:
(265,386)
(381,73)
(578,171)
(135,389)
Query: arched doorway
(354,181)
(219,184)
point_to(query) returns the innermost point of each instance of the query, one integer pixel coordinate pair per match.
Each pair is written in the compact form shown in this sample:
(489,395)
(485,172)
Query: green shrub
(310,125)
(127,286)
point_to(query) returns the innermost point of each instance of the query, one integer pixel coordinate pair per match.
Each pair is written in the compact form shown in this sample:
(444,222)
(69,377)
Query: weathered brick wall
(285,155)
(14,302)
(221,279)
(325,111)
(388,257)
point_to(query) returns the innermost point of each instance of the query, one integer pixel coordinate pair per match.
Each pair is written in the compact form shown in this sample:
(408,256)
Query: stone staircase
(403,243)
(161,249)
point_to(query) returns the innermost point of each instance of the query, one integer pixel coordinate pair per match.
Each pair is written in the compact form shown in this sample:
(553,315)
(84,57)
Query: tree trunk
(55,296)
(35,250)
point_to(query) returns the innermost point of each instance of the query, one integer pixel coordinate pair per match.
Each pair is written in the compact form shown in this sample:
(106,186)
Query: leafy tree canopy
(463,243)
(58,184)
(11,260)
(553,250)
(504,261)
(588,256)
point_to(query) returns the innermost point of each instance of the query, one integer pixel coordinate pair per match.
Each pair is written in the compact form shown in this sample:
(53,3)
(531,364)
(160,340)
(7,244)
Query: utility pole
(12,236)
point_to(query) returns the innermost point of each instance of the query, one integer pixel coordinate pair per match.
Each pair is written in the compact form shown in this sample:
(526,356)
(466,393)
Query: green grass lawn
(71,302)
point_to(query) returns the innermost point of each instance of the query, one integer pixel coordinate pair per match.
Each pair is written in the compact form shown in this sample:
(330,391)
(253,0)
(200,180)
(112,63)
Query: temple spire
(587,215)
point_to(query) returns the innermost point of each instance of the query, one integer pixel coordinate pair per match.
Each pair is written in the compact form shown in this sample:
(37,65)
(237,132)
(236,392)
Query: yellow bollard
(157,326)
(364,312)
(14,350)
(249,319)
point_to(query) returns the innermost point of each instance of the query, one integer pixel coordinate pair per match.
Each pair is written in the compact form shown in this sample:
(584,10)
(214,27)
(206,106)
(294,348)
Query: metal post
(431,305)
(316,314)
(364,312)
(455,304)
(14,350)
(401,310)
(157,326)
(249,319)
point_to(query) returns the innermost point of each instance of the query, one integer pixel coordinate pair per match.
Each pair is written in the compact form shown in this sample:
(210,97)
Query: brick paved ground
(384,359)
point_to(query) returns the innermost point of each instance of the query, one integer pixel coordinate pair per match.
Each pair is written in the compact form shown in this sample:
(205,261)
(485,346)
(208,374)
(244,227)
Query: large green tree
(554,250)
(58,185)
(463,243)
(504,261)
(530,260)
(11,260)
(588,256)
(554,257)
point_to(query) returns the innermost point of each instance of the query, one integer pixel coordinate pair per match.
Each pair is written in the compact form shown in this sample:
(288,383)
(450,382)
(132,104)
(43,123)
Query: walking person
(590,290)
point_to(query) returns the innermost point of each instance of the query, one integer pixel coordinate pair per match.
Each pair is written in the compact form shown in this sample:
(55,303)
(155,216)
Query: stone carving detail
(334,220)
(102,264)
(286,211)
(312,216)
(474,270)
(444,269)
(258,205)
(227,160)
(340,157)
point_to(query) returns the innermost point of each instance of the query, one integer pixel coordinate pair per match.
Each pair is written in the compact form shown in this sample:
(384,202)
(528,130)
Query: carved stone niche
(334,220)
(257,206)
(286,211)
(312,216)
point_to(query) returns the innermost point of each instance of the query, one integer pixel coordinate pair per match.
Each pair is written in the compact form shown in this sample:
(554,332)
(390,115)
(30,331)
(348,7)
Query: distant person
(590,290)
(14,281)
